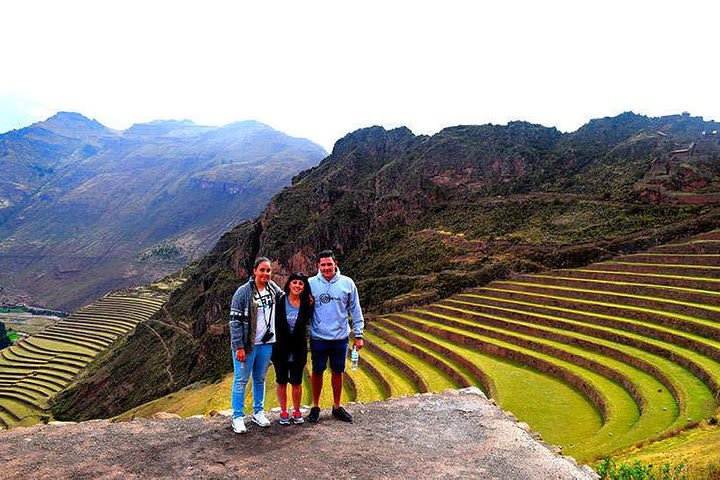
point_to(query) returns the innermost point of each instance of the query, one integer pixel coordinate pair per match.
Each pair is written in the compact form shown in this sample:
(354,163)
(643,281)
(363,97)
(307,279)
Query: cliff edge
(456,434)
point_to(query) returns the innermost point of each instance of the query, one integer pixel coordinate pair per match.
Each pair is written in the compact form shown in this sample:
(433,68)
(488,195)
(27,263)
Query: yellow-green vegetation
(205,398)
(696,448)
(39,366)
(525,391)
(598,359)
(629,349)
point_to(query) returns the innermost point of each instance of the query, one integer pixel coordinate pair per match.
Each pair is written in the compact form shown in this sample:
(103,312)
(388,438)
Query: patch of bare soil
(449,435)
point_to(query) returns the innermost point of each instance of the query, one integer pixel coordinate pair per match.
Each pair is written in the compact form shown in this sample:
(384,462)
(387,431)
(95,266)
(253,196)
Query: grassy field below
(696,448)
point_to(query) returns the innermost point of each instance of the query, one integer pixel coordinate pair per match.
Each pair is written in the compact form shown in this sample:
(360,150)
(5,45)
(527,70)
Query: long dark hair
(305,294)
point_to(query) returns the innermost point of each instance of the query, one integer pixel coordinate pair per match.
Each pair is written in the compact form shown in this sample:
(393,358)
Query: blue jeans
(256,363)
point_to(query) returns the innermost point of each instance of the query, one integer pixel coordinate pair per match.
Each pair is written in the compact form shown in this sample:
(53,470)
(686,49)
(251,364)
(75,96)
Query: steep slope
(416,218)
(85,209)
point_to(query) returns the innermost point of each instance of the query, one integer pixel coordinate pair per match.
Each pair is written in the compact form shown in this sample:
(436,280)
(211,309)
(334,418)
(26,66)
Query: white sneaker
(238,425)
(261,419)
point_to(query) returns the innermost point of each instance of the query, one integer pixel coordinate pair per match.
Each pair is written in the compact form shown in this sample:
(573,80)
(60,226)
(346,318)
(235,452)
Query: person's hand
(359,343)
(240,354)
(312,299)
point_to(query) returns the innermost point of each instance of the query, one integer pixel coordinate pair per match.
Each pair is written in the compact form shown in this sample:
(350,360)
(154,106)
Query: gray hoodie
(335,301)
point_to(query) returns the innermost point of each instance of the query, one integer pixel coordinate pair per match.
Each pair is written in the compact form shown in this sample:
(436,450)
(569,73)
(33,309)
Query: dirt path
(449,435)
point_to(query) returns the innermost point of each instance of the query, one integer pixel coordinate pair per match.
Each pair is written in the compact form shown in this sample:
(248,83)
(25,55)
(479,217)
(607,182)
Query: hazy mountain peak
(164,128)
(71,124)
(247,126)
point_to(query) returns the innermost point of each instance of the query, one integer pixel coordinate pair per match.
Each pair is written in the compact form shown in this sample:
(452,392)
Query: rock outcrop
(450,435)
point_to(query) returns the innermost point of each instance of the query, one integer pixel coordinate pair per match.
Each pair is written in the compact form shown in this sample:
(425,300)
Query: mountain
(416,218)
(85,209)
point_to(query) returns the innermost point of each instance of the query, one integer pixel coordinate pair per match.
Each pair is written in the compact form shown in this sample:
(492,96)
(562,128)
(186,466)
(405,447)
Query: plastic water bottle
(354,357)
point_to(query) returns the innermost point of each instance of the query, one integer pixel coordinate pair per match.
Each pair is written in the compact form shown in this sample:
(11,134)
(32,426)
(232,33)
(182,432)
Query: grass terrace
(39,366)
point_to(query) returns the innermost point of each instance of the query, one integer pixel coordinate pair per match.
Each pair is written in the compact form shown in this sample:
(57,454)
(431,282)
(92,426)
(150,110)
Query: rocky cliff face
(82,207)
(417,217)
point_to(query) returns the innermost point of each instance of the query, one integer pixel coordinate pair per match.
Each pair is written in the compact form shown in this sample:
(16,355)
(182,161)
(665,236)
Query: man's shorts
(333,350)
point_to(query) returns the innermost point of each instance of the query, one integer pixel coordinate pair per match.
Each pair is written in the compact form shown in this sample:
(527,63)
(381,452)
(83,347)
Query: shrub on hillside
(4,339)
(608,469)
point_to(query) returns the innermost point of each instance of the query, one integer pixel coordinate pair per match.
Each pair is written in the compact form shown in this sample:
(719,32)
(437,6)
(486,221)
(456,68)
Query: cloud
(321,69)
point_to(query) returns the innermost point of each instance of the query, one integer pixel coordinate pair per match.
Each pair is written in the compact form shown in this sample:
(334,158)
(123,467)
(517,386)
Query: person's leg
(242,374)
(296,397)
(338,355)
(259,371)
(319,357)
(337,381)
(296,371)
(316,383)
(281,378)
(282,396)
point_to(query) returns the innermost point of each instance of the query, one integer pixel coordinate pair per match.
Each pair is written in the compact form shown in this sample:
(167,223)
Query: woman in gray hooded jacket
(252,335)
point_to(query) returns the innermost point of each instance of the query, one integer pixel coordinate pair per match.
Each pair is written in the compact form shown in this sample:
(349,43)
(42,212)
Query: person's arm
(238,326)
(358,320)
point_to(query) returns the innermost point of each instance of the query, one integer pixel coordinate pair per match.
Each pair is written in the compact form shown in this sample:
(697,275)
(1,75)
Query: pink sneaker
(298,418)
(284,418)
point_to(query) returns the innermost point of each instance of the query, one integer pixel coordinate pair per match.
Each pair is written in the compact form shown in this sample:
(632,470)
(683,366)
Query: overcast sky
(320,69)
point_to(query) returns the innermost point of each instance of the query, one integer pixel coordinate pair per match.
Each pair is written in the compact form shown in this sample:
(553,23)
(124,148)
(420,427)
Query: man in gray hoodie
(336,299)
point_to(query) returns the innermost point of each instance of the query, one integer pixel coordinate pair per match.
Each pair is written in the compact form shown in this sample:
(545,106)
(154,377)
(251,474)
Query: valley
(572,277)
(85,209)
(40,365)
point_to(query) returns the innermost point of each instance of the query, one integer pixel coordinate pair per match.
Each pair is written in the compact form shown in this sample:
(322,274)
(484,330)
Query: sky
(321,69)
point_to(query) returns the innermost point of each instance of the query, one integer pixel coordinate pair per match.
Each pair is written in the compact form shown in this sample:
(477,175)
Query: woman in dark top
(293,315)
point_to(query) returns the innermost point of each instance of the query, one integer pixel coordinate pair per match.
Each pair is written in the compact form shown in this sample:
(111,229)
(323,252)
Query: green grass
(664,300)
(689,319)
(659,410)
(662,265)
(368,387)
(650,286)
(697,448)
(28,415)
(461,376)
(203,398)
(599,316)
(434,378)
(698,400)
(13,310)
(400,383)
(650,275)
(622,412)
(537,398)
(675,324)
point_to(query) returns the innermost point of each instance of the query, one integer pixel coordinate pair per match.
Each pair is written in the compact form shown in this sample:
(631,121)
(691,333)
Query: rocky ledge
(456,434)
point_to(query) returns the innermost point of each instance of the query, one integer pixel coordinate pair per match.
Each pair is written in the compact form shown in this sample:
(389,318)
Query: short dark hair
(260,260)
(326,254)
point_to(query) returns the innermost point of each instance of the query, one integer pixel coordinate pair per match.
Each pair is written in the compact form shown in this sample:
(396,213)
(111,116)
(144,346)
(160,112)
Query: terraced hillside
(596,358)
(34,370)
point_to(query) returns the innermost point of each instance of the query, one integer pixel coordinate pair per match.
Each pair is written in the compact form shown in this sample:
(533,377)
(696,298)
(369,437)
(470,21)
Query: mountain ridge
(77,193)
(421,217)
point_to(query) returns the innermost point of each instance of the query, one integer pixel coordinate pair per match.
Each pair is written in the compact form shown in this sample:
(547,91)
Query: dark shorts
(323,350)
(289,372)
